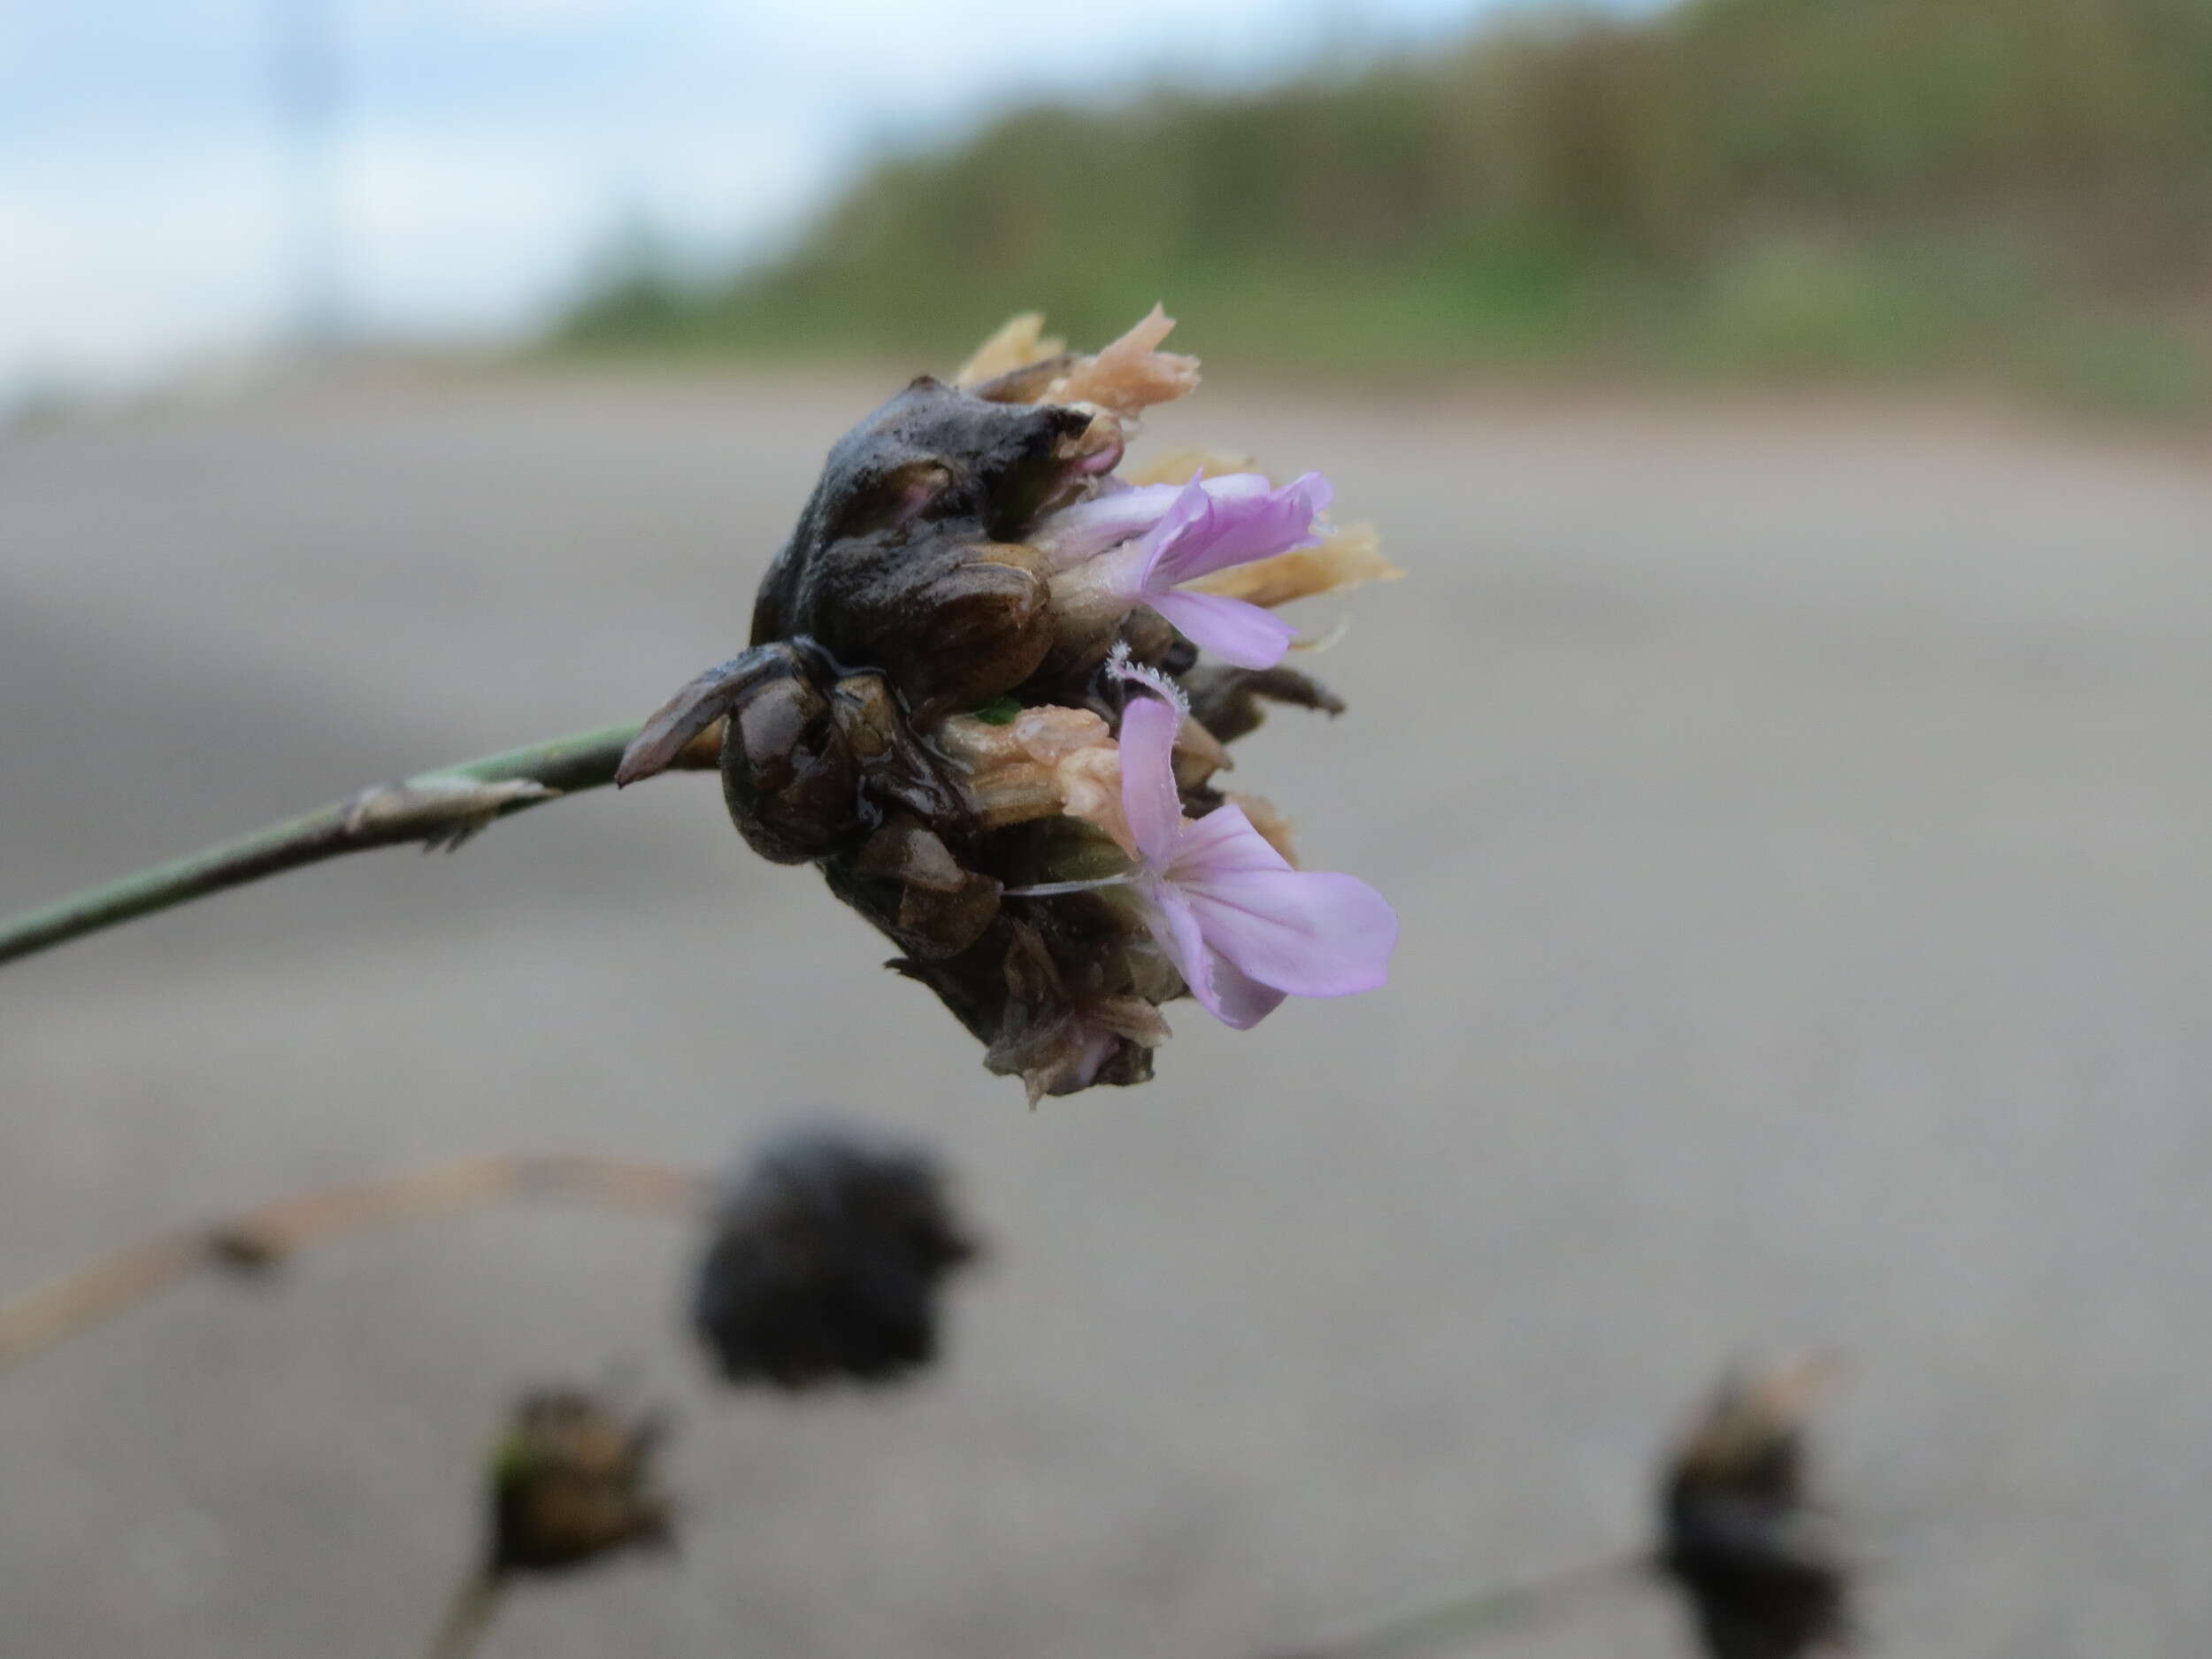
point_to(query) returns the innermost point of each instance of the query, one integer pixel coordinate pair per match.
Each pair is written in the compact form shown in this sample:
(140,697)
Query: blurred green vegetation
(2018,191)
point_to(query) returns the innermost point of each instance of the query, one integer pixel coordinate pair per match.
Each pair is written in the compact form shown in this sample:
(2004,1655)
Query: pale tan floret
(1090,790)
(1350,556)
(1199,754)
(1020,341)
(1179,466)
(1053,762)
(1130,375)
(1090,780)
(1028,768)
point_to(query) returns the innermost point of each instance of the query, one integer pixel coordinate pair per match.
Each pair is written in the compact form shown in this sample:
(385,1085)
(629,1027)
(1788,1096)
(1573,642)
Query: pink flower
(1244,928)
(1121,512)
(1138,546)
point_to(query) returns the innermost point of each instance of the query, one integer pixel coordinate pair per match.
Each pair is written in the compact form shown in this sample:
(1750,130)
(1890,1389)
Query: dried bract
(828,1256)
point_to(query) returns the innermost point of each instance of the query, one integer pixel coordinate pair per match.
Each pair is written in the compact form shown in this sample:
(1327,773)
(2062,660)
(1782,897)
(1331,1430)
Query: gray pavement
(1798,817)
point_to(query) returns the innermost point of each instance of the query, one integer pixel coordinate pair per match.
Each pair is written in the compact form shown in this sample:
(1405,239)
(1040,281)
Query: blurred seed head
(1743,1535)
(828,1256)
(573,1482)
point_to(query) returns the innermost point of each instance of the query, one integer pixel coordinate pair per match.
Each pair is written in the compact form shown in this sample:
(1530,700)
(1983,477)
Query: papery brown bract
(1231,703)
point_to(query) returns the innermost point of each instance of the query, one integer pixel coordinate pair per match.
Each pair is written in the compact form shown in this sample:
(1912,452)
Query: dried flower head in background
(1743,1535)
(828,1256)
(934,709)
(572,1483)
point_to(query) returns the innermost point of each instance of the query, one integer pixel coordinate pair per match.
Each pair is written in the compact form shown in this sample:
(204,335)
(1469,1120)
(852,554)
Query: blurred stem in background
(261,1239)
(441,809)
(468,1617)
(1490,1610)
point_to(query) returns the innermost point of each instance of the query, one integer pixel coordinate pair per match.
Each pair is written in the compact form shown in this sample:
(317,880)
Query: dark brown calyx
(1230,702)
(907,557)
(940,909)
(706,698)
(789,774)
(1074,1019)
(1058,990)
(953,619)
(813,762)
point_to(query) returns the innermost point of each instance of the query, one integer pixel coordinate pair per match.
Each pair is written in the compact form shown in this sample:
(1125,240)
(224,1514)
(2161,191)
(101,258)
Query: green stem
(437,809)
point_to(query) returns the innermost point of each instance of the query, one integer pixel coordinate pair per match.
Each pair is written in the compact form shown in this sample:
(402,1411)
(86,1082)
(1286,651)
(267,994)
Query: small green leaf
(1000,711)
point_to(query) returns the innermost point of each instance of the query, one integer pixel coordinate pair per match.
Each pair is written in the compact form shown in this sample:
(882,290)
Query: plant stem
(1478,1613)
(467,1618)
(262,1238)
(437,809)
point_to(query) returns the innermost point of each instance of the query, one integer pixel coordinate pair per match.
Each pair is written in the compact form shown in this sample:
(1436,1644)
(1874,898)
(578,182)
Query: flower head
(1243,927)
(926,714)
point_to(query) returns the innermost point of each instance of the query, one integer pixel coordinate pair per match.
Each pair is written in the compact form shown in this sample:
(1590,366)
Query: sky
(479,152)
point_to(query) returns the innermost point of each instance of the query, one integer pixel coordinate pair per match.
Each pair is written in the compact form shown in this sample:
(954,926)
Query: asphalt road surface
(1799,820)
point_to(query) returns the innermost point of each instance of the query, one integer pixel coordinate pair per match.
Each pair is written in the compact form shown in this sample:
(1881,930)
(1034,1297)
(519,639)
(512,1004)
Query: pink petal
(1149,795)
(1307,932)
(1185,516)
(1230,628)
(1238,1000)
(1222,989)
(1222,843)
(1120,512)
(1169,916)
(1090,527)
(1233,487)
(1203,532)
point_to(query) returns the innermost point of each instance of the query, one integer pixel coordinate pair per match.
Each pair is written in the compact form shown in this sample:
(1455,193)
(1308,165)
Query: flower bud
(932,711)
